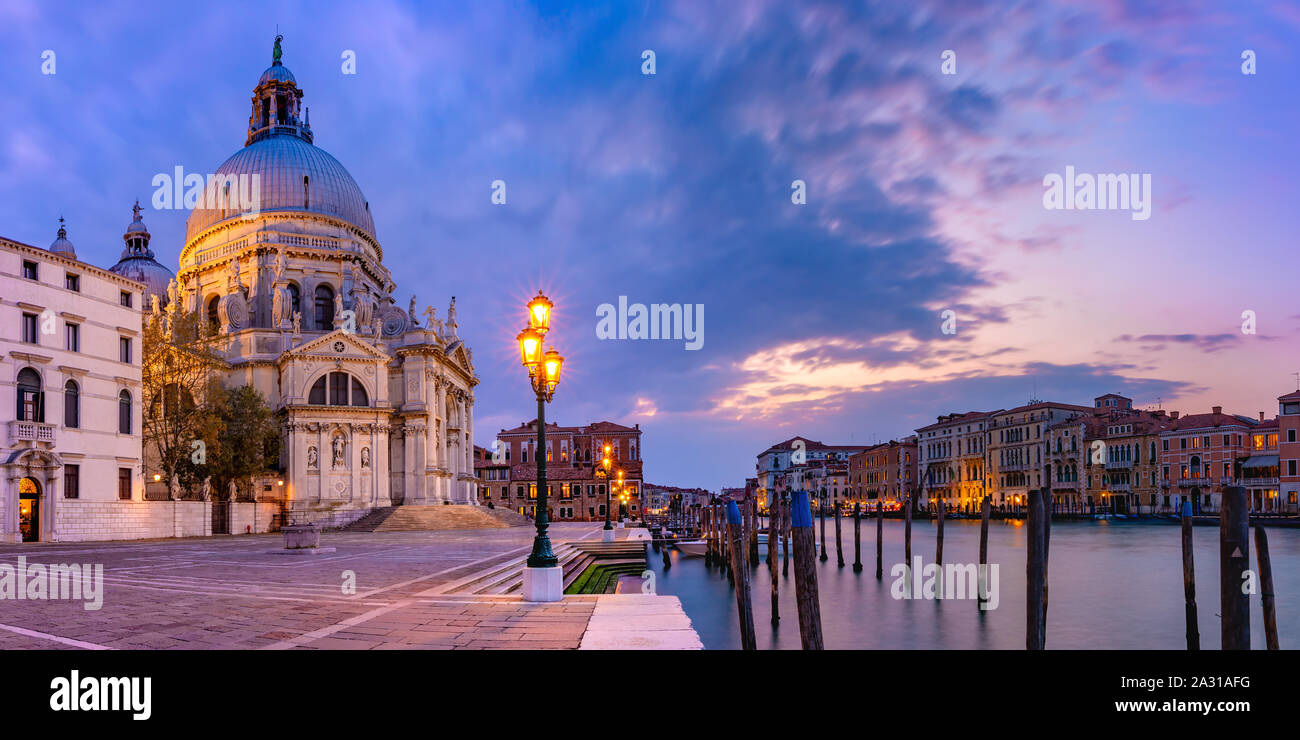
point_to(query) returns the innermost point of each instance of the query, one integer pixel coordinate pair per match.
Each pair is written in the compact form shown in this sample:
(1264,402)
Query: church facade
(281,256)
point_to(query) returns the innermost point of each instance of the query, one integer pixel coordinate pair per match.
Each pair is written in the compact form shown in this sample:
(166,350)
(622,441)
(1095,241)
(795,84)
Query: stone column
(9,511)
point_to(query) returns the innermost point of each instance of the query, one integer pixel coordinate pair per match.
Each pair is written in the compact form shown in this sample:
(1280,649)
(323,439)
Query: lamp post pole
(542,556)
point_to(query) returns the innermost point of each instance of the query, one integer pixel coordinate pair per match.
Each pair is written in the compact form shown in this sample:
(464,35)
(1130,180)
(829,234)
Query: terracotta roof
(949,419)
(1211,420)
(1293,396)
(810,444)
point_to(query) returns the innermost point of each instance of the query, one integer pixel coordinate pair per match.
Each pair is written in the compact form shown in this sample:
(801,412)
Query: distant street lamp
(543,577)
(603,473)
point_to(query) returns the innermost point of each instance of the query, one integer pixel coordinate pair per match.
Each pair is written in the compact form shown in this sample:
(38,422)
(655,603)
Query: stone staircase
(434,517)
(574,557)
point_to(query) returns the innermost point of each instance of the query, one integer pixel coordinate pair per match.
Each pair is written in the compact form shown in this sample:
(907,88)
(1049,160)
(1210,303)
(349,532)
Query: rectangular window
(1182,443)
(124,349)
(124,484)
(1227,440)
(71,481)
(29,270)
(29,328)
(125,298)
(72,337)
(1290,467)
(72,282)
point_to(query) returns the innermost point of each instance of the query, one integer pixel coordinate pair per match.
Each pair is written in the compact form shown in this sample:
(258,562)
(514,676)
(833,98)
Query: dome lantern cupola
(61,245)
(138,263)
(277,103)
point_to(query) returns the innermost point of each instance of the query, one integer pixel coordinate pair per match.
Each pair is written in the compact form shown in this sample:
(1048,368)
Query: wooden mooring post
(985,507)
(857,537)
(774,531)
(1189,581)
(1047,550)
(805,572)
(880,538)
(938,536)
(785,530)
(907,532)
(744,607)
(1035,571)
(821,512)
(1234,561)
(751,506)
(1266,588)
(706,530)
(839,545)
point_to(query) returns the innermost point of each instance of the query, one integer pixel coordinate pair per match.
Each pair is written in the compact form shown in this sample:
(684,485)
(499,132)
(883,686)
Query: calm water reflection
(1114,585)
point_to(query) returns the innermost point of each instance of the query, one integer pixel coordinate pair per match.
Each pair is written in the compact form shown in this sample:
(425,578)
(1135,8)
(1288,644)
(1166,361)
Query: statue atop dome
(277,52)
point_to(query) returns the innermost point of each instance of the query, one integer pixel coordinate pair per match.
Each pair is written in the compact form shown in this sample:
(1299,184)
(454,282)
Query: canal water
(1112,585)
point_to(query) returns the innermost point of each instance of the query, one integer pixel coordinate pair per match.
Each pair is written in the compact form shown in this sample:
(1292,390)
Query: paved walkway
(235,593)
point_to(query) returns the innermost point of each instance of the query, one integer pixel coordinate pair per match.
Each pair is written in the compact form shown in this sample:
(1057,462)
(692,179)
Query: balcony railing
(1259,482)
(1120,464)
(32,431)
(1065,485)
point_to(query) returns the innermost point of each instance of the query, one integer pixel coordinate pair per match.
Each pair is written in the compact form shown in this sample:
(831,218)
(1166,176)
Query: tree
(180,377)
(244,437)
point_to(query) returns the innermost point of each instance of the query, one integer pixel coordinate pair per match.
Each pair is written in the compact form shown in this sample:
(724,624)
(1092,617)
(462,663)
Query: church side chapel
(376,399)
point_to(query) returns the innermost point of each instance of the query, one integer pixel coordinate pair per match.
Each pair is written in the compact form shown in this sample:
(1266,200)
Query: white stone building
(376,399)
(70,467)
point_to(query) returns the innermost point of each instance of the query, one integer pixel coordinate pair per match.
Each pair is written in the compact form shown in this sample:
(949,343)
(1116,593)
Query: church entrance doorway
(29,510)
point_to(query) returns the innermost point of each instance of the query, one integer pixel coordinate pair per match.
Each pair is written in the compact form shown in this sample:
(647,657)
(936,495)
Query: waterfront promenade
(380,591)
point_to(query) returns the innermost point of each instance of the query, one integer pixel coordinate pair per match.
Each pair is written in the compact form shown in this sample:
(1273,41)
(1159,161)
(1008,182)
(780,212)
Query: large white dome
(282,162)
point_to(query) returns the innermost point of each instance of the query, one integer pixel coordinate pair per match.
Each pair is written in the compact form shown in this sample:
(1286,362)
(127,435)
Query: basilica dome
(293,174)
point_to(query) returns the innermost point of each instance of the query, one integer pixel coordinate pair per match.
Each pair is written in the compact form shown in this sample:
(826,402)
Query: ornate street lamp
(543,577)
(602,473)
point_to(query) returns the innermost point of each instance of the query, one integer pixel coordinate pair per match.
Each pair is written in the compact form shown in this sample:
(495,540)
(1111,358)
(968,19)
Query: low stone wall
(247,517)
(83,521)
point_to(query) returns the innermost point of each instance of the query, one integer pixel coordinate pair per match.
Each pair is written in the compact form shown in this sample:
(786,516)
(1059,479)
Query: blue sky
(823,319)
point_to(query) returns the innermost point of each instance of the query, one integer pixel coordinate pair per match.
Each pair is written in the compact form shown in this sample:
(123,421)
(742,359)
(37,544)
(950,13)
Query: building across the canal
(577,487)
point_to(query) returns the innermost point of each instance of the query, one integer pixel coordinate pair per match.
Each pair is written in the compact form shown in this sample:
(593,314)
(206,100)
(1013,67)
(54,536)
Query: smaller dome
(277,72)
(138,263)
(61,245)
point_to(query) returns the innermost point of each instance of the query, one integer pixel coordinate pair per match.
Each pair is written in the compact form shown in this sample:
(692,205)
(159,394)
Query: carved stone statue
(279,263)
(415,320)
(231,491)
(337,444)
(451,318)
(156,305)
(174,488)
(205,491)
(297,323)
(233,282)
(377,325)
(365,457)
(171,293)
(338,309)
(431,321)
(312,458)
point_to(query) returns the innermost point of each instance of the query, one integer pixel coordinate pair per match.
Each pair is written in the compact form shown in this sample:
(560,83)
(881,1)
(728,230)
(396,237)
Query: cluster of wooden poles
(731,534)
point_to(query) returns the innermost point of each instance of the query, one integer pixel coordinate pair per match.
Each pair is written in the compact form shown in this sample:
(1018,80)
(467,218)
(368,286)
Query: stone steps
(427,518)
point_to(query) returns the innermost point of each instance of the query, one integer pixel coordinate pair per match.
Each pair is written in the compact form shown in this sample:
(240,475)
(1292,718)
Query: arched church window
(31,399)
(333,390)
(306,192)
(295,298)
(324,307)
(71,405)
(214,320)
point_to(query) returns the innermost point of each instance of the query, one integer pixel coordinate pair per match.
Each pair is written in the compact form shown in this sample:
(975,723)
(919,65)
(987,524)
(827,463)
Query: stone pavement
(233,593)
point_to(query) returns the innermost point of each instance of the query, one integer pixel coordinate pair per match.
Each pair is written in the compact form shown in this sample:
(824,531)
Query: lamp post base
(543,584)
(607,535)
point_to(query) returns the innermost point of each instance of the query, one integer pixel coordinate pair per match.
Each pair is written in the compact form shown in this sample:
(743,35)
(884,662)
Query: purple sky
(924,191)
